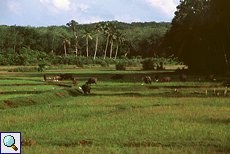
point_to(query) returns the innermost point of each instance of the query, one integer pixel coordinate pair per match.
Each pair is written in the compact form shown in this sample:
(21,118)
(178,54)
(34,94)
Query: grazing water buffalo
(75,83)
(92,80)
(56,77)
(66,76)
(86,88)
(183,77)
(166,79)
(61,76)
(44,77)
(147,79)
(118,76)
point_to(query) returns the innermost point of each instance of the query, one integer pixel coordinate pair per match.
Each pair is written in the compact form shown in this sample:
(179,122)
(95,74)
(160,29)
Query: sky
(59,12)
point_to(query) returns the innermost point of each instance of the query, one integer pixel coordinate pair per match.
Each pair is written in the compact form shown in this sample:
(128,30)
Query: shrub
(148,64)
(79,63)
(121,65)
(104,63)
(42,66)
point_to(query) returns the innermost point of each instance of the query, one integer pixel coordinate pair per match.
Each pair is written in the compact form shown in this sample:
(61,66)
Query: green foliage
(200,35)
(148,64)
(42,66)
(138,39)
(79,63)
(121,65)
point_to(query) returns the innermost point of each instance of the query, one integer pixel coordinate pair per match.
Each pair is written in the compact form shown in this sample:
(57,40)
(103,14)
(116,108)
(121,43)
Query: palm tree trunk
(76,47)
(87,46)
(106,45)
(111,49)
(96,48)
(116,52)
(65,48)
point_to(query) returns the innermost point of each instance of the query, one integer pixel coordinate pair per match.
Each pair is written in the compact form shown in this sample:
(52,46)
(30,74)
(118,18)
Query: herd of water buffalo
(86,88)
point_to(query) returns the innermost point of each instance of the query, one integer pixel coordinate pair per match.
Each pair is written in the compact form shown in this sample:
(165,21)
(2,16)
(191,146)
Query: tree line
(109,39)
(199,35)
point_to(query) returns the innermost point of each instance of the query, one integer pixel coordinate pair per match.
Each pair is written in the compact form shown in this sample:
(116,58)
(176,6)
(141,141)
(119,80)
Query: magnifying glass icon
(9,141)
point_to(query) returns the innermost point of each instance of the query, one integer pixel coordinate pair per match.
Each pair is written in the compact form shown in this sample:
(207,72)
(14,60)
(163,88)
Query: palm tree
(65,42)
(108,29)
(112,38)
(72,24)
(119,40)
(87,35)
(97,28)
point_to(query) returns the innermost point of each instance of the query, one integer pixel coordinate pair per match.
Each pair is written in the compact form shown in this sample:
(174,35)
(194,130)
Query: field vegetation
(118,116)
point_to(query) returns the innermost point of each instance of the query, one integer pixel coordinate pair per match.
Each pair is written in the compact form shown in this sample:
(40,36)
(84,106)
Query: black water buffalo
(166,79)
(86,88)
(147,79)
(66,76)
(183,77)
(92,80)
(118,76)
(44,77)
(62,76)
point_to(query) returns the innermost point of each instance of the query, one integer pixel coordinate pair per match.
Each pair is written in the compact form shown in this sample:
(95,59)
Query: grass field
(118,116)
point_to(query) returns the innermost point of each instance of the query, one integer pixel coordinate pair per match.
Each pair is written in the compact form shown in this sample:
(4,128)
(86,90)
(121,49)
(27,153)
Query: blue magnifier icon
(9,141)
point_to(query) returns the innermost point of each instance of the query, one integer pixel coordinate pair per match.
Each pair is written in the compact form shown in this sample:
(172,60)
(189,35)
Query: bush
(121,65)
(104,63)
(42,66)
(79,63)
(148,64)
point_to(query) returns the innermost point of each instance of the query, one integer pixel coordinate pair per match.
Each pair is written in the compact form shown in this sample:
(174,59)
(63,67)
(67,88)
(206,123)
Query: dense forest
(199,35)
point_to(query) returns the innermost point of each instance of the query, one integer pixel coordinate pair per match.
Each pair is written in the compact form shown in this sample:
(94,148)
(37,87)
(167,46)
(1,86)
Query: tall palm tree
(65,42)
(108,29)
(107,32)
(98,30)
(119,40)
(112,38)
(72,24)
(87,36)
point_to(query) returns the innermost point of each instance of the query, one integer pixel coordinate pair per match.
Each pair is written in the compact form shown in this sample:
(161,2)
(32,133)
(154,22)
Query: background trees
(200,35)
(140,39)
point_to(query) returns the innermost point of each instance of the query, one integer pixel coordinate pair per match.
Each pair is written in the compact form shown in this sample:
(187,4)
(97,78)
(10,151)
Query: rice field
(118,116)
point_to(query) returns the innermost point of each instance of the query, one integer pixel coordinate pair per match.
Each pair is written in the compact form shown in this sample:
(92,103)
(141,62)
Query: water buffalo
(92,80)
(166,79)
(56,77)
(66,76)
(44,77)
(183,77)
(86,88)
(61,76)
(118,76)
(75,83)
(147,79)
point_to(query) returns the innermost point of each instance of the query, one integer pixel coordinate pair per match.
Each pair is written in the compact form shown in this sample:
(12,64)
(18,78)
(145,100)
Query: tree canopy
(138,39)
(200,35)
